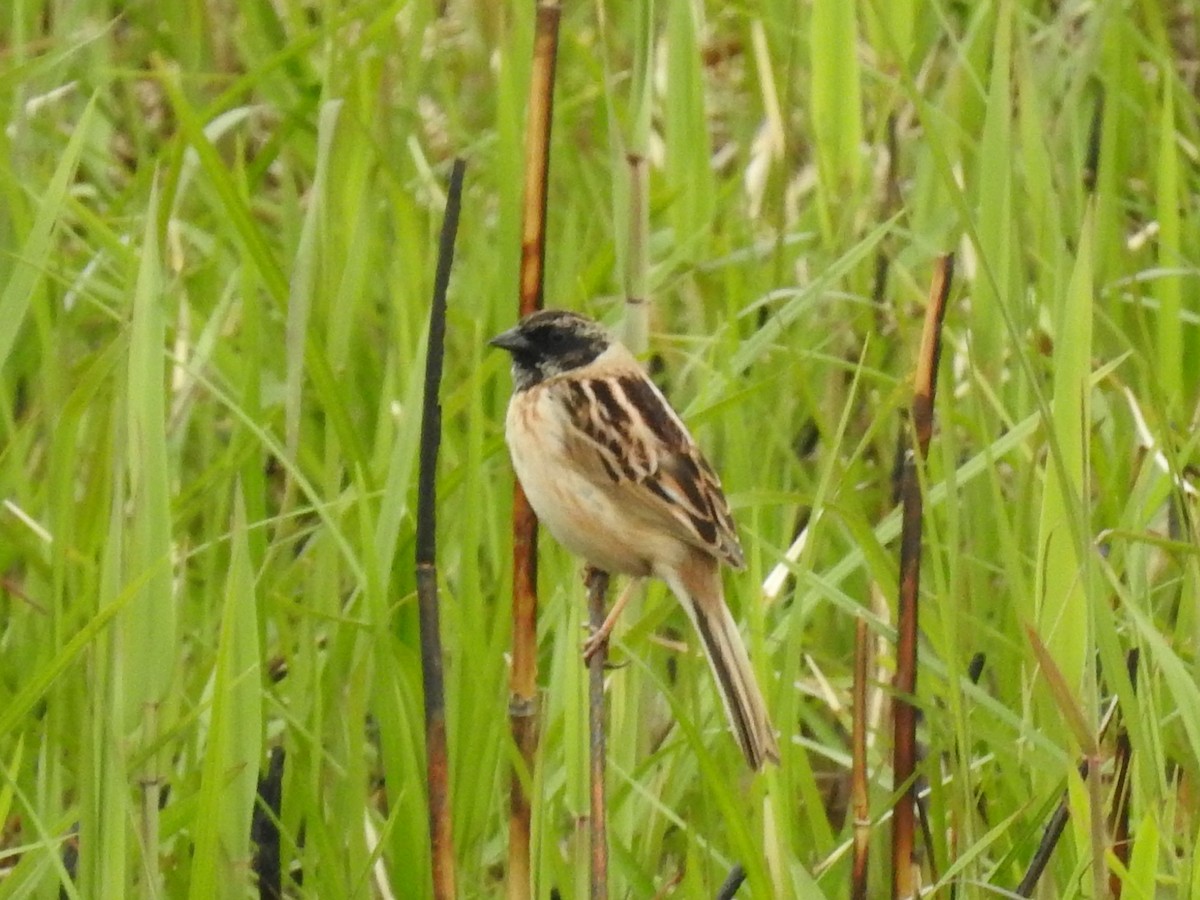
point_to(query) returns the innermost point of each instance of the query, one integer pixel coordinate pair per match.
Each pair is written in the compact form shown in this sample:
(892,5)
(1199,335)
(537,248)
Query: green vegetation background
(217,234)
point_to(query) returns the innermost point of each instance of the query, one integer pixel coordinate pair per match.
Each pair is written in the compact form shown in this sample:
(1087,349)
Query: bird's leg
(599,637)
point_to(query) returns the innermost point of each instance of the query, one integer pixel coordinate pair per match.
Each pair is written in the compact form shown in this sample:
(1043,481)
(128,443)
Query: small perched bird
(615,476)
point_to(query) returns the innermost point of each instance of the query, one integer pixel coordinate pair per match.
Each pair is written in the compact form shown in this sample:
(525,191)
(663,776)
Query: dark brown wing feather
(631,439)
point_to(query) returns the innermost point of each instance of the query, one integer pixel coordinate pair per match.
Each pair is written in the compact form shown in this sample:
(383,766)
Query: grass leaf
(233,748)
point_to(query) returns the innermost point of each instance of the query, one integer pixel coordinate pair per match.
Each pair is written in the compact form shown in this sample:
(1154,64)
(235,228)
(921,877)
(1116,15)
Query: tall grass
(218,229)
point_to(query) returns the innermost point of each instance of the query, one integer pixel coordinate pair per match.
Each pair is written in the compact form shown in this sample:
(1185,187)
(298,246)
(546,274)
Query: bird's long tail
(731,667)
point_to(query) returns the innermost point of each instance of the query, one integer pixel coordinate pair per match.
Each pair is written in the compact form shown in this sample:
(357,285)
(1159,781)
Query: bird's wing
(627,438)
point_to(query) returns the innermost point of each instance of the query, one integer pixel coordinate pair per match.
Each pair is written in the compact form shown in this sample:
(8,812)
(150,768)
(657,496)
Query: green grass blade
(149,629)
(836,96)
(686,133)
(33,259)
(1169,357)
(995,225)
(301,286)
(1062,611)
(233,745)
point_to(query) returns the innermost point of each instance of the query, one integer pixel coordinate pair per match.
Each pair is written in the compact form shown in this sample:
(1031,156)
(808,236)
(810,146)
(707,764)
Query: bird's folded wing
(626,438)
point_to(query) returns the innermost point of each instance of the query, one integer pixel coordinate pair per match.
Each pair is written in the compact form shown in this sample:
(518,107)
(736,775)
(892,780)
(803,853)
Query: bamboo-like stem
(151,785)
(437,766)
(636,331)
(904,710)
(597,589)
(859,800)
(522,704)
(1098,834)
(537,155)
(634,145)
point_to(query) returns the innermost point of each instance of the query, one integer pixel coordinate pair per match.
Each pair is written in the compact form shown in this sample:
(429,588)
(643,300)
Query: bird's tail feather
(743,701)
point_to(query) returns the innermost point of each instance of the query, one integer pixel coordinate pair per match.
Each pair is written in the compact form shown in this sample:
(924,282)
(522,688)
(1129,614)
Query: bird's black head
(550,342)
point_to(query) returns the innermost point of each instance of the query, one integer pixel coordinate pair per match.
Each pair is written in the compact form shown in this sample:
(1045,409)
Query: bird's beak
(512,340)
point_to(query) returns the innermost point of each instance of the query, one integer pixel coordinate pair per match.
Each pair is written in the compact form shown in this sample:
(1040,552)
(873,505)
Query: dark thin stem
(1059,818)
(597,588)
(1122,839)
(1054,830)
(431,419)
(1119,819)
(730,887)
(436,762)
(904,710)
(264,828)
(1091,162)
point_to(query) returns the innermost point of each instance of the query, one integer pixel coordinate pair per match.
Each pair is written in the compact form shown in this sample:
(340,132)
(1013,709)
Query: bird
(617,479)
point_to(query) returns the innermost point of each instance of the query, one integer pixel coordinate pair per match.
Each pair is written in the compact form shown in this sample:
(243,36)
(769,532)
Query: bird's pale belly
(582,515)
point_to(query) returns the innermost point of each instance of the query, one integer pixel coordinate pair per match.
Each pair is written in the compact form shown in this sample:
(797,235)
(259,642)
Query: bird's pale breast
(582,514)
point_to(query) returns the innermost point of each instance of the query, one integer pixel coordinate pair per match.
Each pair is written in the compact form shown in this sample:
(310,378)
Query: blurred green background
(217,240)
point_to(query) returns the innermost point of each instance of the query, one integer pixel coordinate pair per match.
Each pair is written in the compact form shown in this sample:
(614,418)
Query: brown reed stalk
(437,765)
(522,704)
(597,590)
(904,710)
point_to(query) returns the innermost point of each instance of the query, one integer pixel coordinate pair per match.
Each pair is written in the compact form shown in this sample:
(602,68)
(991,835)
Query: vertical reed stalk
(522,704)
(859,800)
(437,763)
(597,589)
(904,710)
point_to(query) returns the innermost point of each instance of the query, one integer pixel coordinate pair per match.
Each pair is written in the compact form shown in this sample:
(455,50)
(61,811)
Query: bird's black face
(550,342)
